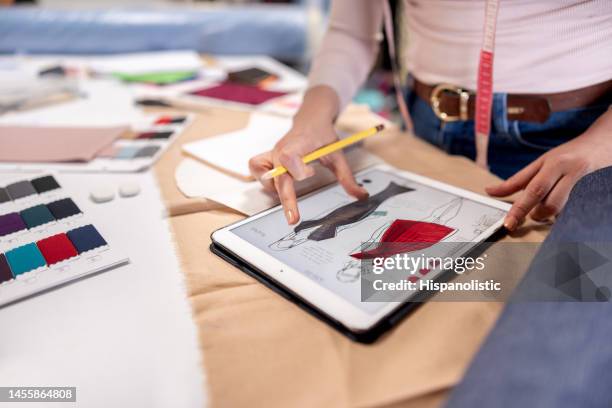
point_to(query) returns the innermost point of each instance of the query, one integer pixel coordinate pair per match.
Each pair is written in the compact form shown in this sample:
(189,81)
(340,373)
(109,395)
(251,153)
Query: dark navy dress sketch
(328,226)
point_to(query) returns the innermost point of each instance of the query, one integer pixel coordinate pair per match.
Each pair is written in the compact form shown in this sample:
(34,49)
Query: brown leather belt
(452,103)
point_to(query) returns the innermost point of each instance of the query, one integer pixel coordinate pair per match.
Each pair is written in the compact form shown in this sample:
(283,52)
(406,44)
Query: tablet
(318,262)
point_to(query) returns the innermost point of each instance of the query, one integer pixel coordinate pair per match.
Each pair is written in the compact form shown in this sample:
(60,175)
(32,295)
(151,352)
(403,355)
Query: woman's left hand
(548,181)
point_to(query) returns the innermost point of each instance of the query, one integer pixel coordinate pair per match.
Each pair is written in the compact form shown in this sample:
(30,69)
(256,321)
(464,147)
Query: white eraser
(130,189)
(102,194)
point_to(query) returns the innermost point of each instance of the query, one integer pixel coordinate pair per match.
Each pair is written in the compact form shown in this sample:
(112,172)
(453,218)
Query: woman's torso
(541,46)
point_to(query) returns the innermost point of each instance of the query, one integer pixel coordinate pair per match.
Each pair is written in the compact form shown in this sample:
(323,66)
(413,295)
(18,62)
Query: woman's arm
(349,48)
(341,65)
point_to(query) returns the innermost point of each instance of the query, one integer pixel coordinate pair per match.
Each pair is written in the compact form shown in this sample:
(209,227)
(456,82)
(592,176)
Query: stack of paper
(197,180)
(223,163)
(231,152)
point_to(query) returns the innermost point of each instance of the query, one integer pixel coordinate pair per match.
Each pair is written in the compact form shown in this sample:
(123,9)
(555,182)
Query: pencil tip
(380,127)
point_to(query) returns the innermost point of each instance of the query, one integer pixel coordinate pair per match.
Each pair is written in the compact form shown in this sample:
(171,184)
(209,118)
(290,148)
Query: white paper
(197,180)
(146,62)
(232,151)
(103,103)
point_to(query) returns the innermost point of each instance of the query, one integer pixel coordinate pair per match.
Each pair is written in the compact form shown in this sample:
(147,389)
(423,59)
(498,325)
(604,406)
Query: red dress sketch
(406,236)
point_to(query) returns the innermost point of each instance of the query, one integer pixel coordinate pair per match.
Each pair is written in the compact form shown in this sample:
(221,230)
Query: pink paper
(54,144)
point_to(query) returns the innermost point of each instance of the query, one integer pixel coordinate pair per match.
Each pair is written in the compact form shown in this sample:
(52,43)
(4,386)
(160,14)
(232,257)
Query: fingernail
(510,223)
(289,215)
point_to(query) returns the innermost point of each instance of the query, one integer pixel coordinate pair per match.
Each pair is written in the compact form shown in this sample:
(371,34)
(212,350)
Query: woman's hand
(312,129)
(548,181)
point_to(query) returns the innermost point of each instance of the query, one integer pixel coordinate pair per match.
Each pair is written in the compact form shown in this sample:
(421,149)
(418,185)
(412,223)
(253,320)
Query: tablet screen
(327,244)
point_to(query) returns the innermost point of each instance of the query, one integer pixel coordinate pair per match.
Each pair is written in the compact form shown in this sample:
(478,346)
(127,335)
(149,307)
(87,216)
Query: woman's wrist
(319,107)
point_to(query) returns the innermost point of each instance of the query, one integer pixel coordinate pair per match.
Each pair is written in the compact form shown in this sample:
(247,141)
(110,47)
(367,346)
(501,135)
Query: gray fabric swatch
(20,189)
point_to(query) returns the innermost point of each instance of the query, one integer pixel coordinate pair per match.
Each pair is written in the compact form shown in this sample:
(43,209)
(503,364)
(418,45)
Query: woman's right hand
(310,131)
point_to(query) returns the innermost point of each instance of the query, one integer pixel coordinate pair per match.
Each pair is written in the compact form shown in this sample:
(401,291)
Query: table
(259,348)
(125,337)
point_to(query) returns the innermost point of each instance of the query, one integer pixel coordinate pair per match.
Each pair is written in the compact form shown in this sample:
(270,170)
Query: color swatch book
(45,239)
(95,149)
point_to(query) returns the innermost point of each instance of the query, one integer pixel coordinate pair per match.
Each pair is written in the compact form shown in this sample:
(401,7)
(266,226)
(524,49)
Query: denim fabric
(551,354)
(512,144)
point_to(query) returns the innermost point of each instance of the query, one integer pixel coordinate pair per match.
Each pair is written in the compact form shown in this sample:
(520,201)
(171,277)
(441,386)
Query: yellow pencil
(325,150)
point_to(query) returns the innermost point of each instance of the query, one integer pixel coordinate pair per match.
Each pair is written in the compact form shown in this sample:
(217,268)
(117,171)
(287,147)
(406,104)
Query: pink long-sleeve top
(542,46)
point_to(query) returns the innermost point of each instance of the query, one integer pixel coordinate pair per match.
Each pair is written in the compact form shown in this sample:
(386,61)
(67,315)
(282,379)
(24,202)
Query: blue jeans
(512,144)
(554,354)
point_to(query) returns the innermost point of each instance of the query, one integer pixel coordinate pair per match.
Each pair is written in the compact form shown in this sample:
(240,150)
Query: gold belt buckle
(464,97)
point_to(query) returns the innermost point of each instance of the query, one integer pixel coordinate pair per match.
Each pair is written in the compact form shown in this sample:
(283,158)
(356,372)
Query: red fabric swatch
(406,236)
(56,248)
(241,93)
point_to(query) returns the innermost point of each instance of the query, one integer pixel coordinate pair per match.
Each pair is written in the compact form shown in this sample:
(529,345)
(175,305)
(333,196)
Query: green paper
(159,78)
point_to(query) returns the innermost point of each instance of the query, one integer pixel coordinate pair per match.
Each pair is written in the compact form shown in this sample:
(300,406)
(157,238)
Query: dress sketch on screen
(294,239)
(486,221)
(411,236)
(351,213)
(328,226)
(405,236)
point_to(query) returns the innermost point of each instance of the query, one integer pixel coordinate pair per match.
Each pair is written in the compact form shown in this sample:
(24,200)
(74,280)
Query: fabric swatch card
(233,92)
(54,144)
(89,149)
(46,240)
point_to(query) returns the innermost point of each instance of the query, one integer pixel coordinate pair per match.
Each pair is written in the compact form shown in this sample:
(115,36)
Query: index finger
(516,182)
(535,192)
(286,193)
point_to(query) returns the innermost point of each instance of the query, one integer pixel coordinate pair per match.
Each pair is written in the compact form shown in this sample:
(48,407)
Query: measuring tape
(484,87)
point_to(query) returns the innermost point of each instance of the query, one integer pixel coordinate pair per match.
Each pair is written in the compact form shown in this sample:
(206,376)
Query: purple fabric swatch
(10,223)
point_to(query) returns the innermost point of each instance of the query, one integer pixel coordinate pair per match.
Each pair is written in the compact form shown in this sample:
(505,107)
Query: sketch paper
(329,242)
(232,151)
(197,180)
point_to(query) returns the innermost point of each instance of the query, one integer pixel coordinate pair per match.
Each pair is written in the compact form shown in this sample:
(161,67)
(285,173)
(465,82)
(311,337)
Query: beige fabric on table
(261,350)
